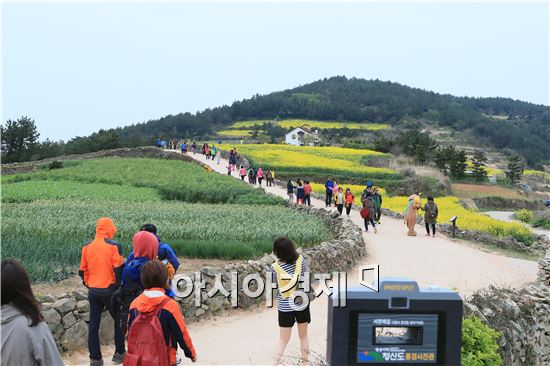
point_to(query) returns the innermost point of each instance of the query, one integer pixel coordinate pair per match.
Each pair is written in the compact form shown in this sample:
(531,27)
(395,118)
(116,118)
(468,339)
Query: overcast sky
(76,68)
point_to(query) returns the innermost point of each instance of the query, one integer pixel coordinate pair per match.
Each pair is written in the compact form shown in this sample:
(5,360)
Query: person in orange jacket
(100,269)
(154,277)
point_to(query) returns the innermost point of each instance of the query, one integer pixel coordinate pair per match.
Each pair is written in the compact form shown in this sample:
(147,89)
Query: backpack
(146,346)
(364,212)
(432,211)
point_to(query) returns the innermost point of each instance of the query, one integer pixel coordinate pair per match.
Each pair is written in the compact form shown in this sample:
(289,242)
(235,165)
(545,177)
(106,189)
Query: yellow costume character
(414,204)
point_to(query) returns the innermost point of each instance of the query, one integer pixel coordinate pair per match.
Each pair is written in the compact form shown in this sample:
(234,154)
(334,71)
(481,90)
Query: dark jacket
(430,212)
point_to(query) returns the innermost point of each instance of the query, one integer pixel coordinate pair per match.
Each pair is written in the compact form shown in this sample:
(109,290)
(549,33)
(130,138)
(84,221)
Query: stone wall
(136,152)
(67,314)
(522,317)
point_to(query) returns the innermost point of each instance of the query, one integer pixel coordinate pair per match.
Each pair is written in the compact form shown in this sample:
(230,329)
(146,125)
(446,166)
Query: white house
(301,136)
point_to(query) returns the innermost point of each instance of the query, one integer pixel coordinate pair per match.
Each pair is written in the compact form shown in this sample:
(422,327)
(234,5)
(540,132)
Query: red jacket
(307,189)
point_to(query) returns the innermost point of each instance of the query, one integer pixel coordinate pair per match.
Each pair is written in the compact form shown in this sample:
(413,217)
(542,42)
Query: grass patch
(481,190)
(229,249)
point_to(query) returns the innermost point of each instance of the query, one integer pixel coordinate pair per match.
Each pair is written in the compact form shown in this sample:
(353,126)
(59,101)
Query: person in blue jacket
(328,187)
(165,252)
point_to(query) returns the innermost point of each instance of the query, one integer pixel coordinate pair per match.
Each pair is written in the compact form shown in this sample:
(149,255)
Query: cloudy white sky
(76,68)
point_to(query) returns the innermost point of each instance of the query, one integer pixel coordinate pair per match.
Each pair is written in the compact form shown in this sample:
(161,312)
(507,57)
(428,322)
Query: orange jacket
(171,319)
(101,257)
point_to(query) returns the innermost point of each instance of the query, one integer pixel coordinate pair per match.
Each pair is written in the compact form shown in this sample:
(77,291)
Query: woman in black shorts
(289,312)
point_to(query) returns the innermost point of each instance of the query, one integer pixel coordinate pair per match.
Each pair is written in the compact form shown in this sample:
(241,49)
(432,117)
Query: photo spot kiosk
(401,324)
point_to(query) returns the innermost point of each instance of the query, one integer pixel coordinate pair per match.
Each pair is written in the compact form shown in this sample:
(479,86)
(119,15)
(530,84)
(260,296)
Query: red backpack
(146,346)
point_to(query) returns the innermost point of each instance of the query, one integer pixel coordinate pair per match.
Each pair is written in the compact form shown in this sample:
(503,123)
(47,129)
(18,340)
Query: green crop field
(48,216)
(173,179)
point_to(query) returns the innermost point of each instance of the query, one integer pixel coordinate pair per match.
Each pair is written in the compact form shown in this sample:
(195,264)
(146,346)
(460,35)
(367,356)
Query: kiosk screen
(395,338)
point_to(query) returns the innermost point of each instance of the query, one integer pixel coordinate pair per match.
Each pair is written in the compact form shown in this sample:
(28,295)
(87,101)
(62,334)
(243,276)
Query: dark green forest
(525,131)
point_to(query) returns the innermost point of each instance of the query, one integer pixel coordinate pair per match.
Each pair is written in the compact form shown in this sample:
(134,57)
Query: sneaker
(375,230)
(178,360)
(433,236)
(118,358)
(428,234)
(96,362)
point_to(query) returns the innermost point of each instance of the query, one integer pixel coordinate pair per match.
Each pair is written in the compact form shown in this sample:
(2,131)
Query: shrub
(55,165)
(524,216)
(479,344)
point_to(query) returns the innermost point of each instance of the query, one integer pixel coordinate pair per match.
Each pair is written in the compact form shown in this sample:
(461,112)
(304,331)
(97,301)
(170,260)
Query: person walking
(370,205)
(194,147)
(290,190)
(378,202)
(300,194)
(328,192)
(242,172)
(348,200)
(413,205)
(229,169)
(145,245)
(334,190)
(285,272)
(155,322)
(307,193)
(250,175)
(431,212)
(101,271)
(270,177)
(260,176)
(183,147)
(26,338)
(218,156)
(339,200)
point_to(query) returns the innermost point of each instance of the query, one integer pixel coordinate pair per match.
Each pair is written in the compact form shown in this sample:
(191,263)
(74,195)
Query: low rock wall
(522,317)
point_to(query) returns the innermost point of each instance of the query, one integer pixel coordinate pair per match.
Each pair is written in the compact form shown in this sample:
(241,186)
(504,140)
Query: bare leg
(284,337)
(304,342)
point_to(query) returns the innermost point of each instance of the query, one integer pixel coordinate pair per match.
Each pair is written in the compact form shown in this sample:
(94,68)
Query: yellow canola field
(291,123)
(312,158)
(235,133)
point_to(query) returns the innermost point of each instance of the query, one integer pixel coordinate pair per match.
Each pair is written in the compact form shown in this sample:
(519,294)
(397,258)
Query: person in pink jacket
(260,176)
(242,172)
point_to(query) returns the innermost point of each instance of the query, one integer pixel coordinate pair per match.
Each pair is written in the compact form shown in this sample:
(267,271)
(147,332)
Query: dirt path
(248,338)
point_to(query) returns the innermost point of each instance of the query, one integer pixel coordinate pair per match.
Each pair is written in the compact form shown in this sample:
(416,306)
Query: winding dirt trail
(248,337)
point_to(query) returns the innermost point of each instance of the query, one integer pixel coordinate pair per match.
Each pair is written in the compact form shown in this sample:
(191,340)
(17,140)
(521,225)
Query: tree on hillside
(417,144)
(443,156)
(458,164)
(479,161)
(19,139)
(515,169)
